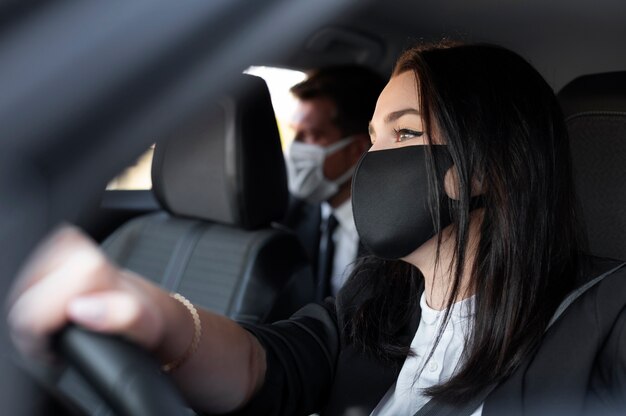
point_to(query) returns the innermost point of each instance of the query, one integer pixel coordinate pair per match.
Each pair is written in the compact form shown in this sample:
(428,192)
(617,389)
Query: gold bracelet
(197,333)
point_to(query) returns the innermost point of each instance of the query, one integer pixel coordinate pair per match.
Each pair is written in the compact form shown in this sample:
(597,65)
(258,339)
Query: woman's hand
(68,279)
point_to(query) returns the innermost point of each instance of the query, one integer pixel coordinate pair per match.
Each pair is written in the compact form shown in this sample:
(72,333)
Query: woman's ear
(451,184)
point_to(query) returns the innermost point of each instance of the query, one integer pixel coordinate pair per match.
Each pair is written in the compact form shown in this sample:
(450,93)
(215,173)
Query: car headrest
(595,111)
(228,165)
(597,92)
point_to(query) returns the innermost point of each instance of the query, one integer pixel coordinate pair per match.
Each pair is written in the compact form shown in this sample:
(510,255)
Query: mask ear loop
(335,147)
(309,149)
(439,161)
(346,176)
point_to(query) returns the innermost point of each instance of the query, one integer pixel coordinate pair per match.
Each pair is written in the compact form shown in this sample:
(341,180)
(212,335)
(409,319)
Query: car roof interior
(563,39)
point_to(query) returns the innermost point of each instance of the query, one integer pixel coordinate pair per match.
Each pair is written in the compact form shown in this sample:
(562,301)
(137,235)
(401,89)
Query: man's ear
(360,145)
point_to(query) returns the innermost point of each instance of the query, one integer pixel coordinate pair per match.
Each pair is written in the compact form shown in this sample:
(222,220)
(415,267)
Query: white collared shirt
(346,241)
(405,396)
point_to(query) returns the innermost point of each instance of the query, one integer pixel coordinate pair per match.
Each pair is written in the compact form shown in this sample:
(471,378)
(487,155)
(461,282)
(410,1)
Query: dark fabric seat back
(222,184)
(595,110)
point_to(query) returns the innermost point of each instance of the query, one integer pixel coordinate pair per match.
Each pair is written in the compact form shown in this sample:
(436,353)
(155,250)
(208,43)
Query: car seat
(595,111)
(221,182)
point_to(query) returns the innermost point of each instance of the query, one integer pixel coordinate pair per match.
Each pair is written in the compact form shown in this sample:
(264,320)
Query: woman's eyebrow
(392,117)
(397,114)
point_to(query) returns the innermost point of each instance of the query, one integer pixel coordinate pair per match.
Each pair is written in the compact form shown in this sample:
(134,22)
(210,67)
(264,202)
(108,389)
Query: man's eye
(406,134)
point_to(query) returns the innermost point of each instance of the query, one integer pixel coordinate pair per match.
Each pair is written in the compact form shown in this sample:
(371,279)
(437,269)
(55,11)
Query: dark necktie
(326,256)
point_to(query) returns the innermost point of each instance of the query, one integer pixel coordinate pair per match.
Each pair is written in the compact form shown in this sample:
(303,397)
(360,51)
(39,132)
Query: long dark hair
(503,126)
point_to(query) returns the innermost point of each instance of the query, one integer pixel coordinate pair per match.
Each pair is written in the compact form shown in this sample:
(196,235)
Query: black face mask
(390,199)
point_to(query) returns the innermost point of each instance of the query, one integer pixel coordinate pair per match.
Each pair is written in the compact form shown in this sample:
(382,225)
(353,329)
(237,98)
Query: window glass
(136,176)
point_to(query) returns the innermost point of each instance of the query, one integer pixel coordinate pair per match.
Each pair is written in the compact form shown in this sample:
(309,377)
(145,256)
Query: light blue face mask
(305,170)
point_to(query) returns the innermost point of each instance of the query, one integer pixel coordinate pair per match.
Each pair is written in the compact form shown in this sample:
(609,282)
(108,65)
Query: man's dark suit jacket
(579,368)
(305,219)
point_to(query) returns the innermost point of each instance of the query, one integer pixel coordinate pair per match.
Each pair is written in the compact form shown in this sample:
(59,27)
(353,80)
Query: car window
(279,80)
(136,176)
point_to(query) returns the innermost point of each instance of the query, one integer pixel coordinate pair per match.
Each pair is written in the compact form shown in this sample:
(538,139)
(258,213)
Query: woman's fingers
(40,309)
(118,312)
(70,279)
(52,253)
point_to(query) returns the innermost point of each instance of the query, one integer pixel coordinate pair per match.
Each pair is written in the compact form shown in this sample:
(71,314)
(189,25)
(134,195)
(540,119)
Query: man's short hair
(354,90)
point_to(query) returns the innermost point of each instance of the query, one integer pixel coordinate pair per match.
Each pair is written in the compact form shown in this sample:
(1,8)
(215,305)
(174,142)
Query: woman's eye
(406,134)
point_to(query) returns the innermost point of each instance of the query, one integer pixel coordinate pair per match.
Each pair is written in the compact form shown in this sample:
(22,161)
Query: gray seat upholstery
(221,182)
(595,110)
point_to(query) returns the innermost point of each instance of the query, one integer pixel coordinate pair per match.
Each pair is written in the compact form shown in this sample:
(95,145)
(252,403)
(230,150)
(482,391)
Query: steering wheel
(47,168)
(123,374)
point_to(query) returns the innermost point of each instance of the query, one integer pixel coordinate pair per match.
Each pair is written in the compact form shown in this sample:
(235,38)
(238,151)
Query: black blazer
(579,368)
(305,219)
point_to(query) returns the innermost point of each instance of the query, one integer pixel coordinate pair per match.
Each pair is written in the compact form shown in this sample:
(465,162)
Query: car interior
(214,241)
(221,185)
(207,228)
(594,107)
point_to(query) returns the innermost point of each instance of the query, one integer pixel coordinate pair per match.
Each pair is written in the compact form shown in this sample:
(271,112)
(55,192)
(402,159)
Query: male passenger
(331,133)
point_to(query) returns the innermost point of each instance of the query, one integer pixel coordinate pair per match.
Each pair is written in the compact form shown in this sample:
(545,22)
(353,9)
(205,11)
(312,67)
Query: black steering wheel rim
(64,135)
(128,379)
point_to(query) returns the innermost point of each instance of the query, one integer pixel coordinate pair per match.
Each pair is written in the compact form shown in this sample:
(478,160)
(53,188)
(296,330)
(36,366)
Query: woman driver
(466,202)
